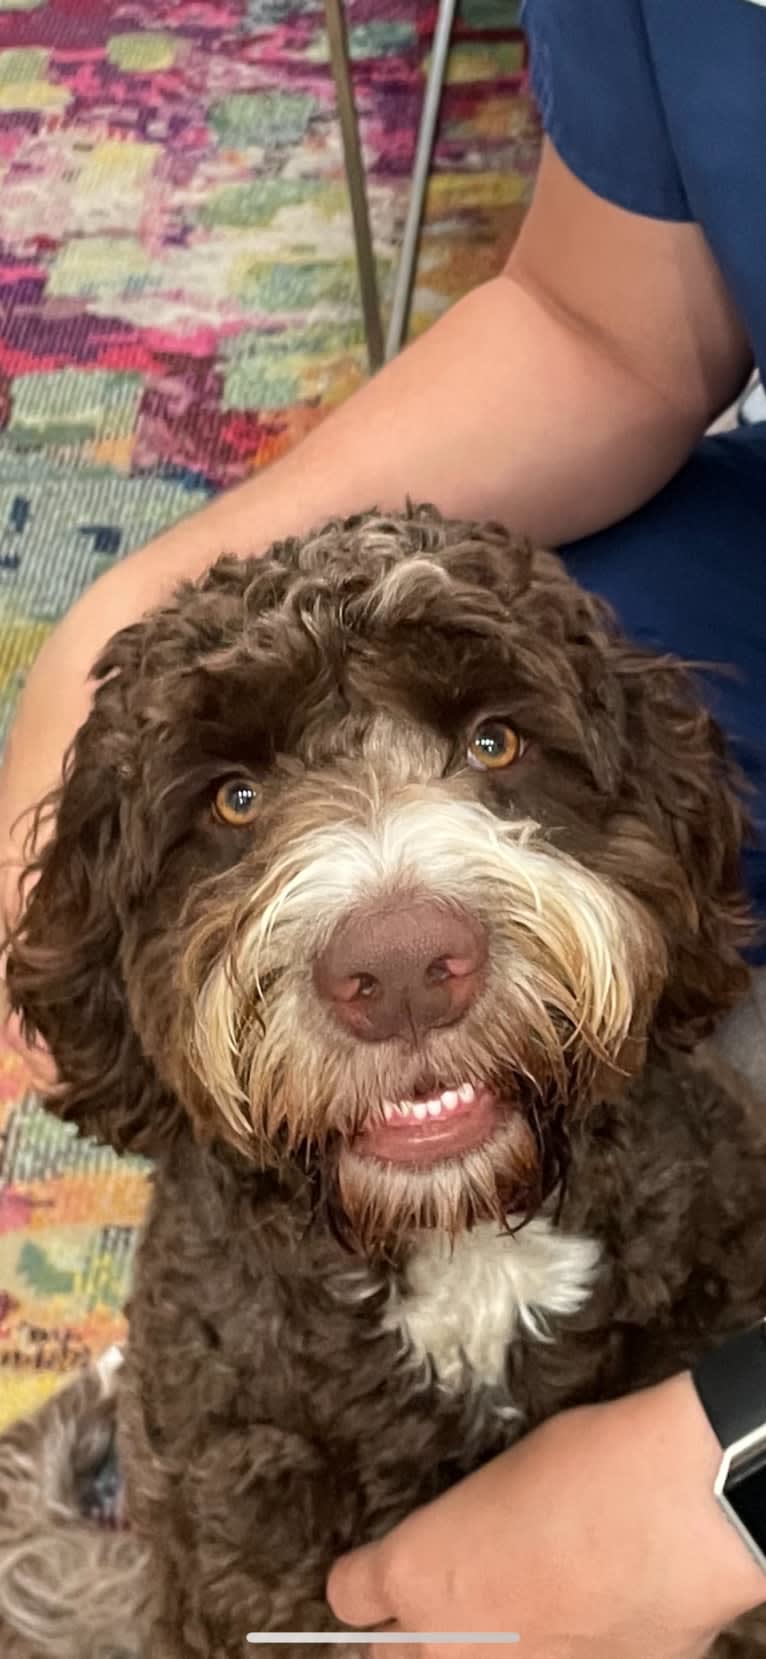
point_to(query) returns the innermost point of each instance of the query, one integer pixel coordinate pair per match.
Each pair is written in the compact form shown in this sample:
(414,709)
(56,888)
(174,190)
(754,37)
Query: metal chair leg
(400,306)
(365,259)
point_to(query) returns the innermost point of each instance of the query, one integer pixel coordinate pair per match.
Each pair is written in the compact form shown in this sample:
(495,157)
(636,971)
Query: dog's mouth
(428,1127)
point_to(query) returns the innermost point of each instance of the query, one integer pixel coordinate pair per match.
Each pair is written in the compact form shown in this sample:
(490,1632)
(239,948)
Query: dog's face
(382,855)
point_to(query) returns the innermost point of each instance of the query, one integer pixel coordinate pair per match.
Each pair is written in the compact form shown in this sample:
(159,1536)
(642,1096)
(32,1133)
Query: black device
(731,1383)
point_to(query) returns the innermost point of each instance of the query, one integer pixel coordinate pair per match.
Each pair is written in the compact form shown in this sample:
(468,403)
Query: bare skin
(598,1537)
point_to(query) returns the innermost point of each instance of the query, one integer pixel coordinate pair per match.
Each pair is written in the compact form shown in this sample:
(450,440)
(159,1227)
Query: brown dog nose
(402,969)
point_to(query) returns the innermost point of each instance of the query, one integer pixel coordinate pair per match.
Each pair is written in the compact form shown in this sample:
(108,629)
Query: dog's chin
(442,1160)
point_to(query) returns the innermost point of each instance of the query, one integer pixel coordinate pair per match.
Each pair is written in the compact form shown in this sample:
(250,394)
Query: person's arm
(597,1537)
(557,397)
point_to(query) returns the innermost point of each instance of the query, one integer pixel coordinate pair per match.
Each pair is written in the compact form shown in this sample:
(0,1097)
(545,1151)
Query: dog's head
(385,853)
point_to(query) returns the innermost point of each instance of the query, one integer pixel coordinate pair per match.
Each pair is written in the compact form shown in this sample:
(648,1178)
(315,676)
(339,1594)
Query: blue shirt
(660,106)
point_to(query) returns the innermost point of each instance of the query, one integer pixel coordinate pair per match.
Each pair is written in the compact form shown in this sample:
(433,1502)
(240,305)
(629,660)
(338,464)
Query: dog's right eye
(494,745)
(236,801)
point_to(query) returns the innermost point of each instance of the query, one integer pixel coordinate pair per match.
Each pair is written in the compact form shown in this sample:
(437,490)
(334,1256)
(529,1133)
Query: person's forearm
(680,1445)
(501,410)
(498,411)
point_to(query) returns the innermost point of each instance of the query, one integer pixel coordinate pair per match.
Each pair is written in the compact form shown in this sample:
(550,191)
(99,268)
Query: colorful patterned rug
(178,305)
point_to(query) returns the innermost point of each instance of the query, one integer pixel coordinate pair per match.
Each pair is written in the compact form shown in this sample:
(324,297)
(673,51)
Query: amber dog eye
(494,744)
(236,801)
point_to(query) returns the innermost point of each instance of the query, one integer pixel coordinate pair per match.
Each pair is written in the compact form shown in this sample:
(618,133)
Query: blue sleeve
(594,81)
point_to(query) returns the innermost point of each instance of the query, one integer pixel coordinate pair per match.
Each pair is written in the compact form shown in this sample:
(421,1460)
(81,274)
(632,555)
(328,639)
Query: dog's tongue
(431,1127)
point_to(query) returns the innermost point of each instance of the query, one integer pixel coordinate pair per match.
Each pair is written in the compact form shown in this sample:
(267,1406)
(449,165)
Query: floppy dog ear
(63,968)
(683,785)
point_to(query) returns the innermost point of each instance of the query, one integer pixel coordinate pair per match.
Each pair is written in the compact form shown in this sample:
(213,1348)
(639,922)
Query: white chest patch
(462,1303)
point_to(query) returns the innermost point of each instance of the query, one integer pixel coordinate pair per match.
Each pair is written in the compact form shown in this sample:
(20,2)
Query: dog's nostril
(451,967)
(349,987)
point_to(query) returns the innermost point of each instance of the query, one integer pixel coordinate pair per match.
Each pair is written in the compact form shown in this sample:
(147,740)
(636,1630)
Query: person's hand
(597,1537)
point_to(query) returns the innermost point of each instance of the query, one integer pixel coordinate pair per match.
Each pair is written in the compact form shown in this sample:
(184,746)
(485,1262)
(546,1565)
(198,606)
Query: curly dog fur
(398,729)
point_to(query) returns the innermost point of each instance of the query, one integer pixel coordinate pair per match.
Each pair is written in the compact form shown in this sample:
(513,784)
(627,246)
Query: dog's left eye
(494,744)
(236,801)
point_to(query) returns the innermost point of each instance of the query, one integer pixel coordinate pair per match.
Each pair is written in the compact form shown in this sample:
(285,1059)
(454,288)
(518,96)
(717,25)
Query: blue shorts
(687,573)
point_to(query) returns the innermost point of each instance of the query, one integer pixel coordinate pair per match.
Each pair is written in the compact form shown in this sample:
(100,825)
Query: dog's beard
(376,1207)
(575,968)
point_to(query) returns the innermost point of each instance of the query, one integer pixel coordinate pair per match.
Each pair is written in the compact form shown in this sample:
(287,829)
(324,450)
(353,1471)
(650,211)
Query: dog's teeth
(448,1101)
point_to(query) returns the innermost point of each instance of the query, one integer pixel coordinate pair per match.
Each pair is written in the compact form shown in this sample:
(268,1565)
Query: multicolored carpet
(178,305)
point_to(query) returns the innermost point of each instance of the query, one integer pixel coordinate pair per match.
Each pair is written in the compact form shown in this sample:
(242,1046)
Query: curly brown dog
(389,892)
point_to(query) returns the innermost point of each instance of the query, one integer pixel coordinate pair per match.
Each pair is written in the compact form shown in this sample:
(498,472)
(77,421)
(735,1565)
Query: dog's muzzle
(395,974)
